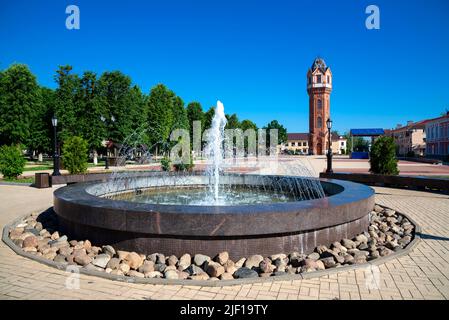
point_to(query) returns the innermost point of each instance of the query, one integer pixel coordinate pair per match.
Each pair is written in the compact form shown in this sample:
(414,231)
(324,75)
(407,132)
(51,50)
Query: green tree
(232,121)
(40,139)
(75,154)
(160,115)
(282,132)
(93,128)
(247,124)
(360,144)
(122,105)
(180,119)
(383,156)
(195,113)
(12,161)
(67,102)
(208,116)
(19,100)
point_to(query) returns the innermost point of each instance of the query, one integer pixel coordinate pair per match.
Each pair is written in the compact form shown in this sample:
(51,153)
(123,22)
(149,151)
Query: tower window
(319,122)
(319,104)
(318,78)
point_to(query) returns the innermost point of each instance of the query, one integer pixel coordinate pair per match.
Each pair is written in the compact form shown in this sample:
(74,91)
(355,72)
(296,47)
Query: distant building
(437,137)
(299,143)
(410,139)
(319,88)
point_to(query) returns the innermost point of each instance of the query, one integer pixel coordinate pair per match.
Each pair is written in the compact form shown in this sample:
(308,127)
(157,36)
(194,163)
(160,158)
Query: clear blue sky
(251,54)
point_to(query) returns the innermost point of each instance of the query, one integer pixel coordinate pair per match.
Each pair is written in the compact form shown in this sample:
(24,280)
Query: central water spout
(214,148)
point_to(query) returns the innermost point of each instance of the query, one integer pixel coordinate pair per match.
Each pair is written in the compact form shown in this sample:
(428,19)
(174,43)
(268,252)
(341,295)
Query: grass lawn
(19,180)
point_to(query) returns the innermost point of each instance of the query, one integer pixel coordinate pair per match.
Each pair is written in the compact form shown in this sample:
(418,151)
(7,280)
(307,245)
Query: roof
(367,132)
(297,136)
(319,63)
(439,118)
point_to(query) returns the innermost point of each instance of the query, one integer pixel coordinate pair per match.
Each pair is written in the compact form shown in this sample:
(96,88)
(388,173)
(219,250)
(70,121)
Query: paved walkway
(423,274)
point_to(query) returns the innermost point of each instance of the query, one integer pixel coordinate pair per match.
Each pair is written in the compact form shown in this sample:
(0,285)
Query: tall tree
(195,113)
(247,124)
(19,100)
(41,138)
(120,105)
(232,121)
(282,132)
(208,116)
(67,103)
(160,115)
(180,119)
(93,128)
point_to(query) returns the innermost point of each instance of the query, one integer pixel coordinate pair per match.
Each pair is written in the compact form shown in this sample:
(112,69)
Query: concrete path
(423,274)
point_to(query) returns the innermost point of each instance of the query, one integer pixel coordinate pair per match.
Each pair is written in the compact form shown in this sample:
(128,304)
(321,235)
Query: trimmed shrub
(12,162)
(75,155)
(165,164)
(383,156)
(184,166)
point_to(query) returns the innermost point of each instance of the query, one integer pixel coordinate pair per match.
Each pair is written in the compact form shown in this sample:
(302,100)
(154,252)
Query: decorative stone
(215,269)
(281,256)
(55,235)
(87,245)
(154,274)
(117,272)
(82,259)
(60,259)
(172,260)
(266,266)
(222,257)
(124,267)
(109,250)
(328,262)
(160,267)
(200,259)
(49,255)
(101,260)
(253,261)
(30,249)
(320,249)
(320,264)
(240,263)
(226,276)
(389,212)
(185,261)
(134,273)
(182,275)
(65,251)
(230,267)
(30,241)
(122,254)
(134,260)
(314,256)
(148,266)
(171,274)
(194,270)
(361,238)
(202,276)
(113,263)
(245,272)
(349,244)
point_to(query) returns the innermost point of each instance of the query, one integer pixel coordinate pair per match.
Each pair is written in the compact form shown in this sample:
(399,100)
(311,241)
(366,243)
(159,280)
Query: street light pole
(329,150)
(54,122)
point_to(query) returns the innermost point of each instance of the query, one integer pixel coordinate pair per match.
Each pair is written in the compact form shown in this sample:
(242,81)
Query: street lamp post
(329,150)
(54,122)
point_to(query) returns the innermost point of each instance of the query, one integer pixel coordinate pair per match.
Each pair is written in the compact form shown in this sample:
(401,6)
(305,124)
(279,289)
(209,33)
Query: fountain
(193,212)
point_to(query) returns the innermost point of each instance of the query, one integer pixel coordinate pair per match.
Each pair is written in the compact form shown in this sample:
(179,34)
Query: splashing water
(214,148)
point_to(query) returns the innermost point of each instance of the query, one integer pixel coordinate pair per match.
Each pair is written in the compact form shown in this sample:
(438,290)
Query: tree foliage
(383,156)
(75,154)
(19,100)
(282,132)
(12,161)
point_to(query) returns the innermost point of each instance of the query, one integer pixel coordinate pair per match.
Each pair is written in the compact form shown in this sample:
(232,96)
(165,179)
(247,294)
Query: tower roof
(319,63)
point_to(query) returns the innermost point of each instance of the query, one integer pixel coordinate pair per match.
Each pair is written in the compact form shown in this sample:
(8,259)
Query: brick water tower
(319,87)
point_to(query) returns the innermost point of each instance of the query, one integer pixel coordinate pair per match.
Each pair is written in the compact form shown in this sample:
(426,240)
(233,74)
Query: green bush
(184,166)
(165,164)
(12,162)
(383,157)
(75,155)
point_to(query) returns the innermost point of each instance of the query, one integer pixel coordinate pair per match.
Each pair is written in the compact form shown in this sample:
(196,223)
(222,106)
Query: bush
(184,166)
(75,155)
(165,164)
(12,162)
(383,157)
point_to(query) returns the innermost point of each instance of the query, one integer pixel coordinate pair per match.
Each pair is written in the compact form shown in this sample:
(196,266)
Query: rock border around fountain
(398,224)
(242,230)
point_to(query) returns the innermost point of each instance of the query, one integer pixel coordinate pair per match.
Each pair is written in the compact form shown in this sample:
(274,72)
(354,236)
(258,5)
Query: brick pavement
(422,274)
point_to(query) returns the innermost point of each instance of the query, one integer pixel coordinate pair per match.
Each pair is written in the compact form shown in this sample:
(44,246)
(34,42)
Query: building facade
(319,88)
(410,139)
(437,137)
(299,143)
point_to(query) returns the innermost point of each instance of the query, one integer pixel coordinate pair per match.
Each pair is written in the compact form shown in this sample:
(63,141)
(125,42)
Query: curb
(208,283)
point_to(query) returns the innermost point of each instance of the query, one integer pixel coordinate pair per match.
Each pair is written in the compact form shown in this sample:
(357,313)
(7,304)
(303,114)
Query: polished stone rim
(348,202)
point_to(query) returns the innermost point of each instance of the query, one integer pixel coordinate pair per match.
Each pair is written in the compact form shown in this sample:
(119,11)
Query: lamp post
(329,150)
(54,122)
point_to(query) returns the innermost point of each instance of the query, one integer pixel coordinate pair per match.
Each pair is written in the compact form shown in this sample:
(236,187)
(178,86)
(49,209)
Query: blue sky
(253,55)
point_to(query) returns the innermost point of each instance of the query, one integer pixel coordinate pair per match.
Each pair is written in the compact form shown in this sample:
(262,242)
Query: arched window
(319,122)
(319,104)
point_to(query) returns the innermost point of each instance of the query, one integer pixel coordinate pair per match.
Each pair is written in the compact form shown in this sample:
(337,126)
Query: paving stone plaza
(421,274)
